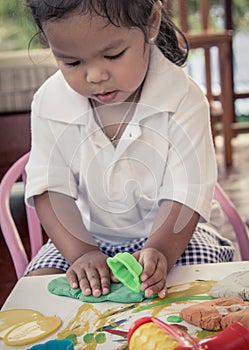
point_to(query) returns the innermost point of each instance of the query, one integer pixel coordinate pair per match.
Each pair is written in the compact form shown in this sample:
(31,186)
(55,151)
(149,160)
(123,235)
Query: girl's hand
(154,272)
(91,273)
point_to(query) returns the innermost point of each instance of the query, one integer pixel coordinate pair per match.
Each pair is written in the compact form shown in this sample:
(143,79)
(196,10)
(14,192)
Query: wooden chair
(205,38)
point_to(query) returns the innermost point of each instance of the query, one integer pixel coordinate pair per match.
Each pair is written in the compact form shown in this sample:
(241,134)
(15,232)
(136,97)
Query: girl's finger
(105,279)
(155,280)
(149,268)
(105,284)
(94,282)
(84,284)
(155,289)
(72,278)
(163,293)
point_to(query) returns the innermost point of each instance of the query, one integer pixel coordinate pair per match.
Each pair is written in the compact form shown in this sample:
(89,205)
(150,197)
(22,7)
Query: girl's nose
(96,75)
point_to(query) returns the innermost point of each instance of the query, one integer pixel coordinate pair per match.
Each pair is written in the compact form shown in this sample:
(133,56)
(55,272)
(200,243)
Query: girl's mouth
(107,97)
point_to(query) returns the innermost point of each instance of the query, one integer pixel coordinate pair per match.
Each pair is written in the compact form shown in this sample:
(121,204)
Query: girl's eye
(115,57)
(72,64)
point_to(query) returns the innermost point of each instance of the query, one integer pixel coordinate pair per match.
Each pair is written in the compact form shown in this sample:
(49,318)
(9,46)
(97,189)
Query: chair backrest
(236,221)
(194,16)
(197,36)
(212,64)
(8,226)
(183,9)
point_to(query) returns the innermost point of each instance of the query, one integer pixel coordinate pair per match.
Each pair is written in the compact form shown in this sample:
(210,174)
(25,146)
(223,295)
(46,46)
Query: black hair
(129,13)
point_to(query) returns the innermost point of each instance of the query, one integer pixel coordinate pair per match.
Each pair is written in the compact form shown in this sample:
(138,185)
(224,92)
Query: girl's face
(99,60)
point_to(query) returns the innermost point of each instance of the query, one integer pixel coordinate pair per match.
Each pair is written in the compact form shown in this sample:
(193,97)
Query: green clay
(100,338)
(118,292)
(89,338)
(174,319)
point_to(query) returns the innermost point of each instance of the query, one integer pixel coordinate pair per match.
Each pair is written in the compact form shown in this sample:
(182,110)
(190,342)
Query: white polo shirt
(166,152)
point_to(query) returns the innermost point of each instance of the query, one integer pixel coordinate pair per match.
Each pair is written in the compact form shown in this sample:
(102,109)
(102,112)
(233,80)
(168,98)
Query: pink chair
(8,227)
(235,220)
(16,247)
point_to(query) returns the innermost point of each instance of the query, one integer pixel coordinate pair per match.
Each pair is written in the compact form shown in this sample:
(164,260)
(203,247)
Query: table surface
(32,293)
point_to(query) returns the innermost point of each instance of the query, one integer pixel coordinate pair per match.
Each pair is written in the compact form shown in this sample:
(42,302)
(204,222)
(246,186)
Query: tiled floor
(234,180)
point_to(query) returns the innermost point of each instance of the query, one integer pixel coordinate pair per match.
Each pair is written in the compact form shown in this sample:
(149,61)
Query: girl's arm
(172,230)
(171,233)
(61,219)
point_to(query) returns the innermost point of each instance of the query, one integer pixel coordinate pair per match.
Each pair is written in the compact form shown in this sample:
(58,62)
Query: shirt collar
(165,84)
(63,104)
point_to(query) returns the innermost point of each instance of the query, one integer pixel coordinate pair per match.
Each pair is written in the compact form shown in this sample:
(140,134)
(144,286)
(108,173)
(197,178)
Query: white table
(32,293)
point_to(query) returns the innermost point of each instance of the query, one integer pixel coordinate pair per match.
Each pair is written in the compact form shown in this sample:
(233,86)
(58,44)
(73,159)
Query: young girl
(122,157)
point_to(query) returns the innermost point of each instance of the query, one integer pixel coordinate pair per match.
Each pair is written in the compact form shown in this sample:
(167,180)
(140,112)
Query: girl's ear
(154,21)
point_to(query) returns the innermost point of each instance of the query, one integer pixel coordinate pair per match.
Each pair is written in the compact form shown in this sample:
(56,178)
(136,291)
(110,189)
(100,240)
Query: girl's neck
(113,119)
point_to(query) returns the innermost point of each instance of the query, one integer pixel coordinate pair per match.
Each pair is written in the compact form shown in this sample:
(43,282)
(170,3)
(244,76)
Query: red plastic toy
(151,333)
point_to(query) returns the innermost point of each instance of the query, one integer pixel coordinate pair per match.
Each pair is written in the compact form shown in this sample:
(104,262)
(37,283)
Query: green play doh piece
(73,338)
(174,319)
(89,338)
(100,338)
(127,270)
(119,293)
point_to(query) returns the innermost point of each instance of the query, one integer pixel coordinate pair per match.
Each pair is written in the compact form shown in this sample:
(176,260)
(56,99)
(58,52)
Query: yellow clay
(31,331)
(149,336)
(11,318)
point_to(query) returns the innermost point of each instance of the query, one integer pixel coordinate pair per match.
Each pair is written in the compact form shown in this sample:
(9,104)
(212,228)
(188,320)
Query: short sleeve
(49,167)
(191,172)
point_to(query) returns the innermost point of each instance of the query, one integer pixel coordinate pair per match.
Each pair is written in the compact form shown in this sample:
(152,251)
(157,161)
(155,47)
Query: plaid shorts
(205,246)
